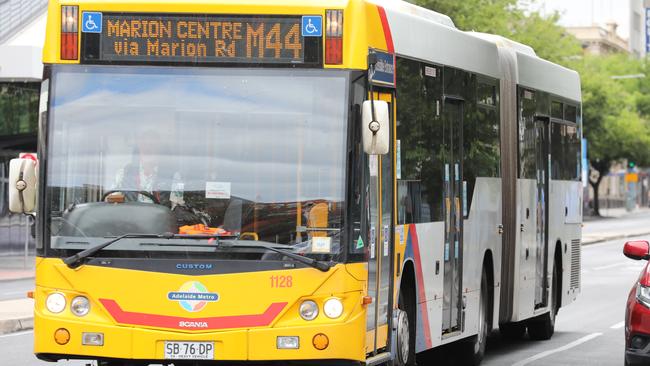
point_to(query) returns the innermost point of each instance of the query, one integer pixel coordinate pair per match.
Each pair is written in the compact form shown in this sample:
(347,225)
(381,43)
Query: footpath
(616,224)
(17,314)
(16,278)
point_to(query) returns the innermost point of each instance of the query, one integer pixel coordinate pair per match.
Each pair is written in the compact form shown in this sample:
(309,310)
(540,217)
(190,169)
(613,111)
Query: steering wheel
(144,193)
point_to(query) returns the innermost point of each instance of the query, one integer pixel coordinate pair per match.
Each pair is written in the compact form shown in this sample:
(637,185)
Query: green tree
(491,16)
(504,18)
(613,115)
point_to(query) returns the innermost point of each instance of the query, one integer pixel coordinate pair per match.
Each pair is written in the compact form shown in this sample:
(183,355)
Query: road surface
(11,290)
(589,331)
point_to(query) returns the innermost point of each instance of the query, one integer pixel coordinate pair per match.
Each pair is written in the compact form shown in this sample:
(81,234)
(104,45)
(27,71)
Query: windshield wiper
(76,260)
(232,241)
(319,265)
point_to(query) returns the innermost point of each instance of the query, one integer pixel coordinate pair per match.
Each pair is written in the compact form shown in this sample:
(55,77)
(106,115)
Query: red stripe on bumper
(177,322)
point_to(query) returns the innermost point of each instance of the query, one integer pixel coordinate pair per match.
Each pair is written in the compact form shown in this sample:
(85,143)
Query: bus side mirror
(376,134)
(22,186)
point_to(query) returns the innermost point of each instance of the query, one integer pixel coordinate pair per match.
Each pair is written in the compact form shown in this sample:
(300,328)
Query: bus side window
(419,89)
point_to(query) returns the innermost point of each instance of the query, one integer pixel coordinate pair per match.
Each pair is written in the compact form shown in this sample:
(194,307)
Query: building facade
(600,40)
(639,27)
(22,34)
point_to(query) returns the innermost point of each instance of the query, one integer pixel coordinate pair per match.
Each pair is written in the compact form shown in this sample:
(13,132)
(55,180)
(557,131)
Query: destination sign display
(204,39)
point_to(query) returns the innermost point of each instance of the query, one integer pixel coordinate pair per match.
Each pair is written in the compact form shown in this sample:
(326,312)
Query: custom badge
(193,296)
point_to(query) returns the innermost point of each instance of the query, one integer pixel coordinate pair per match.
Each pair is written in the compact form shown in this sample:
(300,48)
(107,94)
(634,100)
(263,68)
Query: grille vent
(575,263)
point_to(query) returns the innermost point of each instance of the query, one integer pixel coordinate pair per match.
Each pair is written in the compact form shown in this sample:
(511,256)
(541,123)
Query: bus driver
(146,178)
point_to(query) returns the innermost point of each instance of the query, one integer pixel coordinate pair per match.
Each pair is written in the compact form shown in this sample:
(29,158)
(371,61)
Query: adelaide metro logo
(193,296)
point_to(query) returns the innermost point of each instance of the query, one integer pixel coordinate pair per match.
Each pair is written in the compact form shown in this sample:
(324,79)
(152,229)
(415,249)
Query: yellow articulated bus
(336,182)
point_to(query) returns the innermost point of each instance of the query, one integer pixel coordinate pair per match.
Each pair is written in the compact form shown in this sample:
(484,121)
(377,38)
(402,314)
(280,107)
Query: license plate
(189,350)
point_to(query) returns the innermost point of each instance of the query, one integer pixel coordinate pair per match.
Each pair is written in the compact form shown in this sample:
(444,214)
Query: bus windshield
(244,154)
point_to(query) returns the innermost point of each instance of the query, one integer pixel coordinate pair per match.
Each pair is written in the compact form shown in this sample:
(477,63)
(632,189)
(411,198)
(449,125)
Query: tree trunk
(602,167)
(595,186)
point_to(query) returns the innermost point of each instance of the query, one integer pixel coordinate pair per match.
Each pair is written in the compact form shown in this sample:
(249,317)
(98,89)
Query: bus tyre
(474,348)
(512,331)
(405,332)
(542,327)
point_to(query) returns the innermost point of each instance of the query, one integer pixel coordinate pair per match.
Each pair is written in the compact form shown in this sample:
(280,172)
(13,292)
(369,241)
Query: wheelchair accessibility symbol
(91,22)
(312,26)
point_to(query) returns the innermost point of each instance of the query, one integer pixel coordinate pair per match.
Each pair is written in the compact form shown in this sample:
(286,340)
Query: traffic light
(631,164)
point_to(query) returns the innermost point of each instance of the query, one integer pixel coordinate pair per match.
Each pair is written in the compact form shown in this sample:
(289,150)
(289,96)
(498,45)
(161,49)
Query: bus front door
(379,178)
(453,210)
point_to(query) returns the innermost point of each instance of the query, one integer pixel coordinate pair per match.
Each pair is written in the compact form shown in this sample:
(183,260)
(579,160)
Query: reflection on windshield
(248,153)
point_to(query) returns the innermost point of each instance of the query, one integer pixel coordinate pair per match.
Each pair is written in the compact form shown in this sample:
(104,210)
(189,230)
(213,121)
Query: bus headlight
(333,308)
(55,302)
(80,306)
(308,310)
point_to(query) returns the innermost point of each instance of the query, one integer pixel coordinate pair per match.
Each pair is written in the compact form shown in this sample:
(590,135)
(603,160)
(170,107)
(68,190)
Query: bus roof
(417,11)
(537,73)
(426,35)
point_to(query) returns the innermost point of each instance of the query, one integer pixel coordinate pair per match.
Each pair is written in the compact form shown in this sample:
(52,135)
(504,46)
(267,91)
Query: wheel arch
(408,289)
(557,257)
(488,264)
(407,281)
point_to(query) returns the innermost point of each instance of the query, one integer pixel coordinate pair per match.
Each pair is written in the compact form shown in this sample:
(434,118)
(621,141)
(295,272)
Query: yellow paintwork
(362,27)
(240,294)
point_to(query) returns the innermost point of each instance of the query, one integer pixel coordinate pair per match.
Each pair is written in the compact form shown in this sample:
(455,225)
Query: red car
(637,311)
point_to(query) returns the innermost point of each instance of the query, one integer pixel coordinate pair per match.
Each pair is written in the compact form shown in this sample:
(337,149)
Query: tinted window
(565,151)
(570,113)
(486,94)
(419,135)
(480,136)
(527,163)
(556,110)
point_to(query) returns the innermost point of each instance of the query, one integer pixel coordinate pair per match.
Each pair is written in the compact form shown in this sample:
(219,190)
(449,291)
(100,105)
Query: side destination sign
(178,38)
(384,72)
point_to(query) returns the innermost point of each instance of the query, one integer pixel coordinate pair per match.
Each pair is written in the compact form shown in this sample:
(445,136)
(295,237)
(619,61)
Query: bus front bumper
(346,342)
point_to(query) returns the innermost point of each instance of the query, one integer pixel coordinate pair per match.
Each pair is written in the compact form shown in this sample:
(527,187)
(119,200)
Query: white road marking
(16,334)
(611,266)
(557,350)
(617,325)
(15,293)
(633,269)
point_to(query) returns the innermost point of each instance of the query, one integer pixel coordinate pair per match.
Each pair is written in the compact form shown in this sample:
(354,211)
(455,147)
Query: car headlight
(308,310)
(643,295)
(55,302)
(333,308)
(80,306)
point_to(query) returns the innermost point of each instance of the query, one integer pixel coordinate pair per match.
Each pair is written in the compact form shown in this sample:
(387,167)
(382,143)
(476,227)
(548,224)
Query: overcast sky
(586,12)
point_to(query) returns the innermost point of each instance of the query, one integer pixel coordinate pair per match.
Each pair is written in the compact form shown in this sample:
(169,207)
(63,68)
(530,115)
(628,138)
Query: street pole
(26,241)
(28,234)
(624,77)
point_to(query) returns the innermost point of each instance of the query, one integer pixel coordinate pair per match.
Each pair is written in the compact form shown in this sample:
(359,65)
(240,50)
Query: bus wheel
(474,348)
(405,342)
(512,331)
(542,327)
